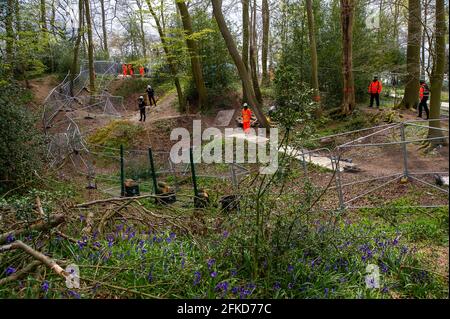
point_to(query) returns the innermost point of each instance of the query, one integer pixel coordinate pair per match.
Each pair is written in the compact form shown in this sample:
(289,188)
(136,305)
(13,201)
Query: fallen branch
(21,273)
(107,216)
(37,255)
(115,199)
(40,226)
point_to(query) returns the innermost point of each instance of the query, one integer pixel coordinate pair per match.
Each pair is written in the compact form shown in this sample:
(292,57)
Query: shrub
(20,140)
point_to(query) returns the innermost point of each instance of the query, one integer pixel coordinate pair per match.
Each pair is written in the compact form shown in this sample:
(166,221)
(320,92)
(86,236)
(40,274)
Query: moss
(117,133)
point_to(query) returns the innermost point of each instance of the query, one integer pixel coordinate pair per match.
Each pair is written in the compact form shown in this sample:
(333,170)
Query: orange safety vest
(141,71)
(424,91)
(246,116)
(124,69)
(375,87)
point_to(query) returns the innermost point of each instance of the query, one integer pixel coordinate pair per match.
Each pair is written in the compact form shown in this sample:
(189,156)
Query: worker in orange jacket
(375,88)
(246,118)
(130,69)
(124,69)
(141,71)
(424,94)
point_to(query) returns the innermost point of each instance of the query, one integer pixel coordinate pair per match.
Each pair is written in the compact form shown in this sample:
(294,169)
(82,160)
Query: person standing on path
(151,95)
(246,118)
(375,88)
(141,104)
(424,94)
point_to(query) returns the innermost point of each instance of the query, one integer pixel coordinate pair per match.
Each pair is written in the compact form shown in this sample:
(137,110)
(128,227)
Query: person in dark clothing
(424,94)
(141,108)
(151,95)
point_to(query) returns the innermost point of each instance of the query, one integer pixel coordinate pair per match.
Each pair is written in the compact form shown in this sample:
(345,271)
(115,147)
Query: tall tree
(90,46)
(242,70)
(253,55)
(265,40)
(76,49)
(437,73)
(170,59)
(191,43)
(313,49)
(347,17)
(43,21)
(411,96)
(141,28)
(9,35)
(245,39)
(105,33)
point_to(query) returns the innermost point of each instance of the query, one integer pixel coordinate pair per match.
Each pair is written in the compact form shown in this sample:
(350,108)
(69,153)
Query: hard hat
(141,97)
(149,86)
(245,104)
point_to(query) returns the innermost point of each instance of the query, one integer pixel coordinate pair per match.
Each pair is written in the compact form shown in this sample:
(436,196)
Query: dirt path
(41,88)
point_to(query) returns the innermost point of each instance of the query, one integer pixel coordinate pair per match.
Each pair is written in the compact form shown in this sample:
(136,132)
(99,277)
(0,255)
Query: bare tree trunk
(424,35)
(76,49)
(141,26)
(105,33)
(52,18)
(9,35)
(411,95)
(243,73)
(438,73)
(90,47)
(313,49)
(22,60)
(253,57)
(265,41)
(172,65)
(245,40)
(43,22)
(194,55)
(347,14)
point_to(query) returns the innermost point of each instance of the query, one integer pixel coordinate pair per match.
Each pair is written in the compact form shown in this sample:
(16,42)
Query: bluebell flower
(225,234)
(197,277)
(385,290)
(214,274)
(235,290)
(10,238)
(10,270)
(277,285)
(150,277)
(233,272)
(211,262)
(326,292)
(74,294)
(45,286)
(222,286)
(82,218)
(290,268)
(290,285)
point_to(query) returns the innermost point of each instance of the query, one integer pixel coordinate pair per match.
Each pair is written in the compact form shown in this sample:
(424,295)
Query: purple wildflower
(290,268)
(150,277)
(74,294)
(277,285)
(82,218)
(197,277)
(214,274)
(211,262)
(233,272)
(10,238)
(225,234)
(45,286)
(290,285)
(234,290)
(222,286)
(10,270)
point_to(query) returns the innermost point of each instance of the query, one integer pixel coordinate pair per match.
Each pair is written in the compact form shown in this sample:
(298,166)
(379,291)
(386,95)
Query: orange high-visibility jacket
(424,91)
(246,116)
(124,69)
(141,70)
(375,87)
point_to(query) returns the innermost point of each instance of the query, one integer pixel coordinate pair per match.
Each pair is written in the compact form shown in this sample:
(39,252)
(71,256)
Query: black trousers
(151,98)
(423,104)
(142,111)
(375,96)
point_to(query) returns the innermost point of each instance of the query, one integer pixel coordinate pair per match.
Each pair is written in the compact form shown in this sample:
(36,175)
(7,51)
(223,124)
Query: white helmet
(141,97)
(149,86)
(245,104)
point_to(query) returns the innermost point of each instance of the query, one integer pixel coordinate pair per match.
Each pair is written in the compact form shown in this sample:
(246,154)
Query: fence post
(405,152)
(152,169)
(122,173)
(338,183)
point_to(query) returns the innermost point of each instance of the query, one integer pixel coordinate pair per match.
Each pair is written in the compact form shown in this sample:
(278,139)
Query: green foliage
(219,71)
(117,133)
(20,141)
